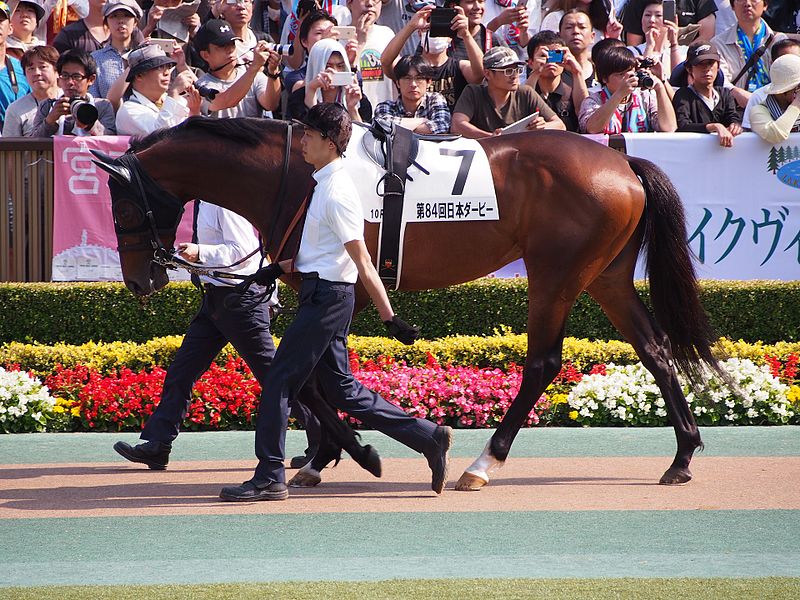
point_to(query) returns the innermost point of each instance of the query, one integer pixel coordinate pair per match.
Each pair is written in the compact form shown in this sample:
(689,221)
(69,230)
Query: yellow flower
(58,408)
(794,394)
(558,399)
(573,414)
(76,411)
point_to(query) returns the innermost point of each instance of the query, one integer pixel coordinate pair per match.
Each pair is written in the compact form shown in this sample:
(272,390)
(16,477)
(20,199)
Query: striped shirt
(433,108)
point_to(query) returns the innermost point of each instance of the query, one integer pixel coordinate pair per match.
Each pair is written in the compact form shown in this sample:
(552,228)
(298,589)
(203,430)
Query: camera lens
(83,112)
(646,81)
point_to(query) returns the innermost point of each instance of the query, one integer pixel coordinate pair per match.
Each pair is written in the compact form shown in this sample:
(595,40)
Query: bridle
(146,235)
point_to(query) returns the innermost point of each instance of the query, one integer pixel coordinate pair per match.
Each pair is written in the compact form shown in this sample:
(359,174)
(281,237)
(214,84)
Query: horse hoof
(675,476)
(305,479)
(470,483)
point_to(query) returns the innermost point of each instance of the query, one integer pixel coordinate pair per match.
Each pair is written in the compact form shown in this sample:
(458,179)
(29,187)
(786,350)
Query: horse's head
(145,220)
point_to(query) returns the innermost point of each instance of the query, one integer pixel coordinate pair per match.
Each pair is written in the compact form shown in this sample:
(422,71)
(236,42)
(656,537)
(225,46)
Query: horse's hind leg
(546,319)
(630,316)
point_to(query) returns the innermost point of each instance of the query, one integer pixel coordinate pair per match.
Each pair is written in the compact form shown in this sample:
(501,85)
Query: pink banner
(84,242)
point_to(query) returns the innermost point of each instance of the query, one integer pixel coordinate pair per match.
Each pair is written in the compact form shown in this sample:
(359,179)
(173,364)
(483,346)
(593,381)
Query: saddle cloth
(447,181)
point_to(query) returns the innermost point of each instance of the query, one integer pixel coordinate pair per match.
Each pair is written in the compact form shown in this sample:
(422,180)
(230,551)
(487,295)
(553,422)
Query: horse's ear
(119,173)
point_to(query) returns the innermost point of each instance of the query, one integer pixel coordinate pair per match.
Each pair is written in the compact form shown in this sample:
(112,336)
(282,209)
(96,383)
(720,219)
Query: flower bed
(81,398)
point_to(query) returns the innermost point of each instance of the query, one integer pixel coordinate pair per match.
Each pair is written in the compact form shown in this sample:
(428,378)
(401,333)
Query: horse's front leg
(539,372)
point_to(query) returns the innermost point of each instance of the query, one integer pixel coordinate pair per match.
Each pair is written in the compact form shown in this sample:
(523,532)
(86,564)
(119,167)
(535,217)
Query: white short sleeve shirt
(334,218)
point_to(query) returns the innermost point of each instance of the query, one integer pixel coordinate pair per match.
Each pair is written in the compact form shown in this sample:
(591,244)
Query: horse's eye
(127,214)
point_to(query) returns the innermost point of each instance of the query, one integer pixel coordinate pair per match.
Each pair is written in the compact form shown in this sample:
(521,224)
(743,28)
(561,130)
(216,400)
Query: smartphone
(341,78)
(555,56)
(344,32)
(166,45)
(669,10)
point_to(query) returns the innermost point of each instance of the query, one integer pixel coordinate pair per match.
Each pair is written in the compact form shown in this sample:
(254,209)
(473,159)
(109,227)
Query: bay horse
(578,214)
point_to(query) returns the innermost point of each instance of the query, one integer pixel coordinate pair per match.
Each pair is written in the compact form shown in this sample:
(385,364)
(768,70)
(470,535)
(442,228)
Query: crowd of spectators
(472,67)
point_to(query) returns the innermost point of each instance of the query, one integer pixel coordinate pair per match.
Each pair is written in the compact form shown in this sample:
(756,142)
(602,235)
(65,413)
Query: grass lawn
(552,589)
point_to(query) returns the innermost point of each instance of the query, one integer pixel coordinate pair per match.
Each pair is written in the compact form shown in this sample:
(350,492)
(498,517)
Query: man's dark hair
(604,45)
(80,57)
(543,38)
(332,120)
(412,61)
(781,47)
(308,22)
(614,60)
(45,53)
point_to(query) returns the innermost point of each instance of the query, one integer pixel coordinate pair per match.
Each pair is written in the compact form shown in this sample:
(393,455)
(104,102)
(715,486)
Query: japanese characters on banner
(84,242)
(742,203)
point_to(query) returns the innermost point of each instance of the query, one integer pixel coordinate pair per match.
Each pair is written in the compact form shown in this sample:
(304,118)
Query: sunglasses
(510,71)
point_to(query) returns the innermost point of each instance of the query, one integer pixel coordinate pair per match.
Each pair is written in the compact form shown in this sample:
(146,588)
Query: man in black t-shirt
(702,12)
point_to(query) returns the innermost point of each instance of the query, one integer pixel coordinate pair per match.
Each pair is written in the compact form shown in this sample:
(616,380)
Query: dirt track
(561,484)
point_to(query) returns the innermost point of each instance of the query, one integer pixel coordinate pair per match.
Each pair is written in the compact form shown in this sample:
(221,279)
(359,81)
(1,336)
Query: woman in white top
(661,40)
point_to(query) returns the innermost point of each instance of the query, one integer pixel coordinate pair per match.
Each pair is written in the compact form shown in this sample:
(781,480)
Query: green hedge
(80,312)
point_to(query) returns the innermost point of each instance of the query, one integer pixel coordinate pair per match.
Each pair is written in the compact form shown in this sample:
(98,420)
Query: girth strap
(397,152)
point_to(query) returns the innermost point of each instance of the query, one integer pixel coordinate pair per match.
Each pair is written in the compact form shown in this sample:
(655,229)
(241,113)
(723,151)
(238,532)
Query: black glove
(402,331)
(267,276)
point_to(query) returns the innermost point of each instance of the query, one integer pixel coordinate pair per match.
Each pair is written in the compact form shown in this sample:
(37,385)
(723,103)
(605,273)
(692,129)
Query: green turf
(375,546)
(490,589)
(544,442)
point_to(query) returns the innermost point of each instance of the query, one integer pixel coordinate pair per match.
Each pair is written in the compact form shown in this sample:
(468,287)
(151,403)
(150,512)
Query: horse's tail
(673,281)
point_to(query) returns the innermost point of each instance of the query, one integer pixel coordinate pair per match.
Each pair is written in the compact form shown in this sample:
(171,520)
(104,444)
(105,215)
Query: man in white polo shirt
(332,256)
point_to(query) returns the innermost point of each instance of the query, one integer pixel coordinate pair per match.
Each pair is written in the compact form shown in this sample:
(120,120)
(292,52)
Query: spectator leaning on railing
(39,64)
(778,49)
(700,106)
(779,114)
(76,72)
(415,109)
(484,109)
(621,105)
(546,79)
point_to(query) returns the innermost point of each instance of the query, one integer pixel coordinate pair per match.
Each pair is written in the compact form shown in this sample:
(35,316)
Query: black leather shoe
(252,491)
(439,457)
(153,454)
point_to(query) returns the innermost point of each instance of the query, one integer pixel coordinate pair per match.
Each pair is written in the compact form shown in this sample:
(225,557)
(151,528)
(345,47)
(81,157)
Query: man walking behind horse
(331,257)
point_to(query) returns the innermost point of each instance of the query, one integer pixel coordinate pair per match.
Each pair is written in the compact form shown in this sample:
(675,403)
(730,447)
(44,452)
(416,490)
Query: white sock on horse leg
(484,464)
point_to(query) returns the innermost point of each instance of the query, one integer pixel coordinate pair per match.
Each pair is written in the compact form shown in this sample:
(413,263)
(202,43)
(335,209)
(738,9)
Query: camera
(282,49)
(646,81)
(83,112)
(206,92)
(440,20)
(555,56)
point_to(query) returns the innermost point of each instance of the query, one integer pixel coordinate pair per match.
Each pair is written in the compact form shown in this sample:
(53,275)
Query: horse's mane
(249,131)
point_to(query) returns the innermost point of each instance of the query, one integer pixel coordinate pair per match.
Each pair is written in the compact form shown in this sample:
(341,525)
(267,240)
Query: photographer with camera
(372,40)
(238,14)
(548,58)
(76,112)
(449,76)
(156,101)
(231,89)
(632,99)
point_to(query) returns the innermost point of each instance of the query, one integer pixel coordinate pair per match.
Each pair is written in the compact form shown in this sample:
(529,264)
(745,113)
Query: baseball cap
(37,8)
(214,31)
(332,121)
(5,10)
(145,58)
(500,57)
(697,53)
(129,6)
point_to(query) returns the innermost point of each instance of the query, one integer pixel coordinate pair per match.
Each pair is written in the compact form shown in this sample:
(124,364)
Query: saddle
(394,149)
